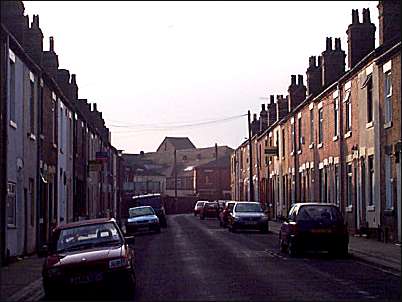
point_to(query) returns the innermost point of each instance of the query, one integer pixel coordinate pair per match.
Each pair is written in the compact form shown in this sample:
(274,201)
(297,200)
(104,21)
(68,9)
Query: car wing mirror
(130,239)
(43,251)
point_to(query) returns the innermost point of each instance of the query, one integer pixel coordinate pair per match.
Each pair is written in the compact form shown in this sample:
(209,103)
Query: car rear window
(248,207)
(323,214)
(85,236)
(135,212)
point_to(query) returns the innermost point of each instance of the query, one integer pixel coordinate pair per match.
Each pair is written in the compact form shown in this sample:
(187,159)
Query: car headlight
(118,263)
(264,218)
(54,272)
(155,220)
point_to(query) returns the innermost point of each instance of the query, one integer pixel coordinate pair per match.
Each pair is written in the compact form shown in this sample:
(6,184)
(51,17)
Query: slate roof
(178,142)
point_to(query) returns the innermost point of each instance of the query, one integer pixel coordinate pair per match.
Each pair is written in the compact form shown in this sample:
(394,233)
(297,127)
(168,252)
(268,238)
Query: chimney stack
(255,125)
(361,37)
(50,60)
(263,118)
(12,16)
(389,15)
(314,80)
(34,41)
(297,92)
(271,110)
(282,107)
(333,62)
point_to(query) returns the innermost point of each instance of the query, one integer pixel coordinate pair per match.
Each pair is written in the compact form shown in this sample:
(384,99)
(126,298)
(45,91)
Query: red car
(91,253)
(314,226)
(198,206)
(210,209)
(224,214)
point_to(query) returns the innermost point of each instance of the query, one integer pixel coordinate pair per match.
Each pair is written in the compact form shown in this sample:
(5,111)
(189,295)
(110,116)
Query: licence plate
(88,278)
(321,231)
(250,222)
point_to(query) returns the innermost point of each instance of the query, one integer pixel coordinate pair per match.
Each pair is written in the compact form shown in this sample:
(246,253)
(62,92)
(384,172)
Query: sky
(194,69)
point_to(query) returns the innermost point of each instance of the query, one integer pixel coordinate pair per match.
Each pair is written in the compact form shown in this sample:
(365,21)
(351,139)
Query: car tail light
(293,228)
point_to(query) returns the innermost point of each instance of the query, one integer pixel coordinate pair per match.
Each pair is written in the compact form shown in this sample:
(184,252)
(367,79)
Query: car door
(285,227)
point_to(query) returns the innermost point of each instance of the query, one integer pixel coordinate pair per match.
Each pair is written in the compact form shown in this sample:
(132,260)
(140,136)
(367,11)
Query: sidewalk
(22,280)
(385,255)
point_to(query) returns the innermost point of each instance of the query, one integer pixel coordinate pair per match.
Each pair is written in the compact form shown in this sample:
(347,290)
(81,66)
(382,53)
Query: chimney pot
(300,80)
(51,44)
(262,107)
(337,43)
(73,79)
(355,16)
(272,99)
(311,61)
(328,44)
(94,107)
(293,79)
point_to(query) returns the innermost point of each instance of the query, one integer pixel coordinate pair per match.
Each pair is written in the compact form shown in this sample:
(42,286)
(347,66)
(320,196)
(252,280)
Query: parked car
(198,206)
(221,204)
(224,214)
(90,253)
(156,201)
(247,215)
(142,218)
(210,209)
(314,226)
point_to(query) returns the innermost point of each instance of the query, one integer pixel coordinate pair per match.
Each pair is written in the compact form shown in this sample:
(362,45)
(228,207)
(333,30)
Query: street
(198,260)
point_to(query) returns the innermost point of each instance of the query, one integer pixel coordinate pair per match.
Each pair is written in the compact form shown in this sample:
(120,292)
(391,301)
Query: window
(293,136)
(32,107)
(388,99)
(320,125)
(12,91)
(388,182)
(283,142)
(336,188)
(32,200)
(11,205)
(311,126)
(371,180)
(348,107)
(336,116)
(54,120)
(300,133)
(41,109)
(370,100)
(323,185)
(349,185)
(61,128)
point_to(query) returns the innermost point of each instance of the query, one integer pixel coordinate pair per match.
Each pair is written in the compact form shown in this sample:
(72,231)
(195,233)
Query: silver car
(247,215)
(142,218)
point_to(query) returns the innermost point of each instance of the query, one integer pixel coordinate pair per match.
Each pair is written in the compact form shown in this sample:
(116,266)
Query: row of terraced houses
(57,161)
(338,140)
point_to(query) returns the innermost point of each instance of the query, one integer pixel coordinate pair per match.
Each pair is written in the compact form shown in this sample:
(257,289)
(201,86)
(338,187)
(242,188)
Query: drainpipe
(250,158)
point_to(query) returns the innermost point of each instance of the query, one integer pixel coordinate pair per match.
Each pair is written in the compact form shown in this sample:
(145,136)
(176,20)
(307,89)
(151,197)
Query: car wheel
(292,249)
(341,252)
(50,293)
(264,230)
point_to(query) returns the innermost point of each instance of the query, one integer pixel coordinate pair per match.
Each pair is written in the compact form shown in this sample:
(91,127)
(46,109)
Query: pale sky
(153,66)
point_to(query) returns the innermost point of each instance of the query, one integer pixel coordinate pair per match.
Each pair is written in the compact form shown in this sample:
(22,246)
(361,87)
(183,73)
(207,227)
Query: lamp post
(251,158)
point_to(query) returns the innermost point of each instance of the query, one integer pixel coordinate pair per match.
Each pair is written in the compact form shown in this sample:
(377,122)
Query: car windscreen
(154,201)
(200,204)
(211,205)
(322,214)
(248,207)
(87,236)
(136,212)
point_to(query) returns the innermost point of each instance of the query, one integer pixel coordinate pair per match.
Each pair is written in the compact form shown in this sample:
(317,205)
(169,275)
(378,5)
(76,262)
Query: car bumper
(311,241)
(250,224)
(132,228)
(70,284)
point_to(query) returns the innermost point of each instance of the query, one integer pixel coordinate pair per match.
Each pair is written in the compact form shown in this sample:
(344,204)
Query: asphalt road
(197,260)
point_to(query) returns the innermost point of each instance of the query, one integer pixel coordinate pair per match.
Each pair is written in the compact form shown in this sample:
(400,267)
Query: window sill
(13,124)
(371,208)
(348,134)
(11,226)
(388,125)
(31,136)
(369,125)
(311,146)
(349,209)
(319,145)
(55,146)
(299,151)
(292,153)
(335,138)
(389,212)
(41,136)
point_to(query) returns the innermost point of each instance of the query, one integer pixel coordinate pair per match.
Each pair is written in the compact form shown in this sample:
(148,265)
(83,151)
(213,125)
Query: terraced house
(57,161)
(337,139)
